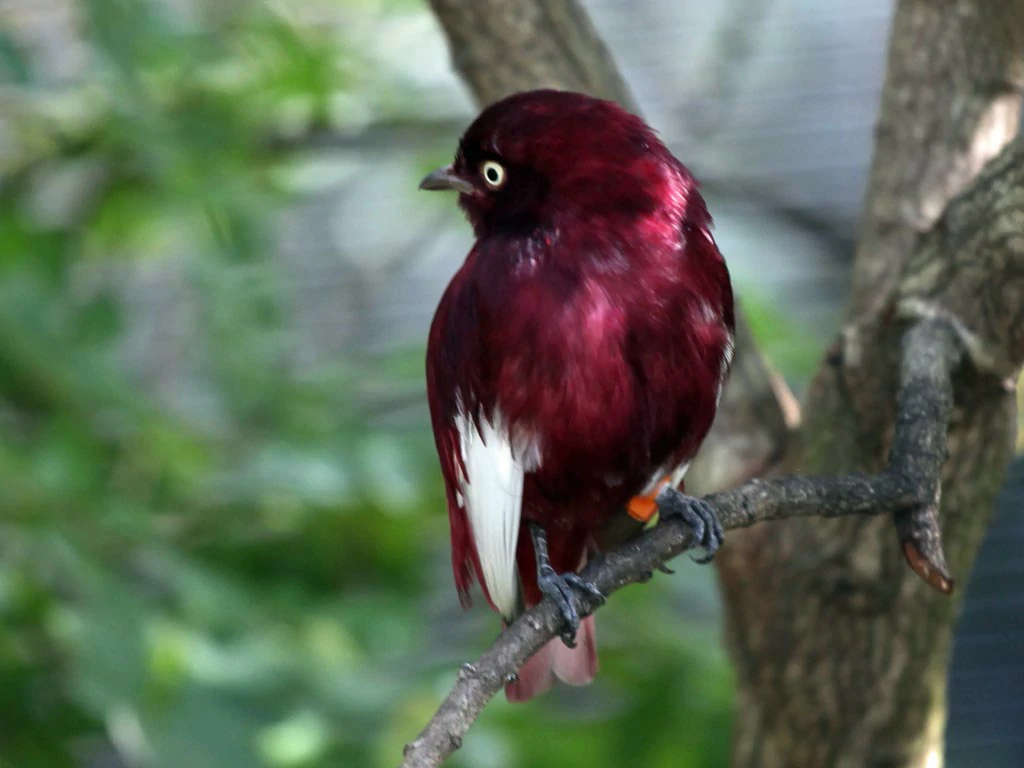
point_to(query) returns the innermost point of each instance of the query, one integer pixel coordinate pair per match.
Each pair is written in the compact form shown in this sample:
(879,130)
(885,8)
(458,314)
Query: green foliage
(788,345)
(13,64)
(256,577)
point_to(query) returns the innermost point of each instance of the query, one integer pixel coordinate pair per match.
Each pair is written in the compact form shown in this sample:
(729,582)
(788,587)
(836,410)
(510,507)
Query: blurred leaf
(202,730)
(14,65)
(791,348)
(108,643)
(211,554)
(297,741)
(129,32)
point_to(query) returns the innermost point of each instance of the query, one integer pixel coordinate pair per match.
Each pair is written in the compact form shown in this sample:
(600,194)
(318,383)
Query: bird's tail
(554,661)
(573,666)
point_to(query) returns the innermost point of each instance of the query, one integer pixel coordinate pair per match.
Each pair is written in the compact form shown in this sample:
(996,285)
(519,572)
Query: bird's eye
(493,173)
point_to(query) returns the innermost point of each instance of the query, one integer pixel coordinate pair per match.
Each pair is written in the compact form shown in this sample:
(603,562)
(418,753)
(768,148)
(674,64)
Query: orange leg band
(642,508)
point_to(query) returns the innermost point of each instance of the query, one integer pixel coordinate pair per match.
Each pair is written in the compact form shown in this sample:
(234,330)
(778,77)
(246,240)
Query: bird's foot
(701,518)
(560,588)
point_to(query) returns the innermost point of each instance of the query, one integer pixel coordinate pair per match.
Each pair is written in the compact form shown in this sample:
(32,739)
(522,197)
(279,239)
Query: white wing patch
(679,473)
(676,476)
(492,494)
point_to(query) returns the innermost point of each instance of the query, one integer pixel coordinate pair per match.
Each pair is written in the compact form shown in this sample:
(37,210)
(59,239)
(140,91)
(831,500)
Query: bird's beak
(447,178)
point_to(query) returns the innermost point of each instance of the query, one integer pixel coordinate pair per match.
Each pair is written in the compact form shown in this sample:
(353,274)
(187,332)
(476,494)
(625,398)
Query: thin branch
(931,350)
(907,488)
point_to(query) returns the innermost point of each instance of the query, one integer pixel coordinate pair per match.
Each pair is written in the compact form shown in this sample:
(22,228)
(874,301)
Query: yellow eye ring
(493,174)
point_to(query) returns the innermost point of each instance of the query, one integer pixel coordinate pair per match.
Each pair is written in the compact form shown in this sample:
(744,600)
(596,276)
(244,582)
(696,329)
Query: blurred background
(222,530)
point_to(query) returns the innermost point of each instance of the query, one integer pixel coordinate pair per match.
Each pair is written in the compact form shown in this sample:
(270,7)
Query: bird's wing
(490,490)
(483,473)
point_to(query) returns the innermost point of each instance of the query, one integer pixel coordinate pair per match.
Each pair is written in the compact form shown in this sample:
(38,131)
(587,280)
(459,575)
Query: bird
(577,358)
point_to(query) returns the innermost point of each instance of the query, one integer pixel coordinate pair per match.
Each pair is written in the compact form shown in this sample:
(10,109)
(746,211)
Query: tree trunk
(841,652)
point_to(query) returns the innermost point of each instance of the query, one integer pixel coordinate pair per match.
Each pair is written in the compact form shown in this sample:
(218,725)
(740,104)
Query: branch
(908,488)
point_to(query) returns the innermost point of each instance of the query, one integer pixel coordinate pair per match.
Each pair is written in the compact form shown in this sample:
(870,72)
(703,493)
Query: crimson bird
(576,359)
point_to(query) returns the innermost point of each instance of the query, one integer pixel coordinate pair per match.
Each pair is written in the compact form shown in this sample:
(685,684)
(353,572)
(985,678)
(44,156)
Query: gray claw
(587,587)
(701,519)
(560,589)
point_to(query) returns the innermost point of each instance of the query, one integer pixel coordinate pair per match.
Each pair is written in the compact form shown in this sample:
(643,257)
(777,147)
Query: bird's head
(537,156)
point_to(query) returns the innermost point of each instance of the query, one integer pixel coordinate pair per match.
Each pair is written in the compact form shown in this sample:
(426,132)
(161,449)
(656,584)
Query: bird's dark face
(534,158)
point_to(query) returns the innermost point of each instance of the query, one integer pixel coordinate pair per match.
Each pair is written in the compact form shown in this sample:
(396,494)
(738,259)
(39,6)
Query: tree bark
(840,651)
(830,635)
